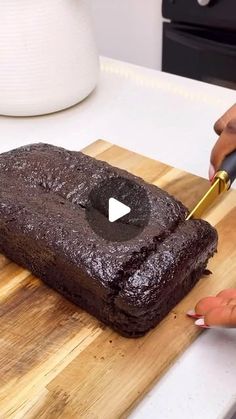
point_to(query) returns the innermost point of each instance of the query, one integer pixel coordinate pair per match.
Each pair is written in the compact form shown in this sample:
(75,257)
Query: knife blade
(222,182)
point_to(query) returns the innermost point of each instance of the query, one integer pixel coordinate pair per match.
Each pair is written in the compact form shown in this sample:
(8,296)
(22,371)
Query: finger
(224,120)
(227,294)
(221,316)
(208,303)
(225,145)
(225,297)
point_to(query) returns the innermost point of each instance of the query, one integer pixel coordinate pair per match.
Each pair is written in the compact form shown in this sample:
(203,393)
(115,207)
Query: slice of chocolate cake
(131,285)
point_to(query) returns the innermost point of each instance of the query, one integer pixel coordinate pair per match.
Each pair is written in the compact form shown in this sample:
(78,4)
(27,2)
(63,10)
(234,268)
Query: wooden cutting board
(56,361)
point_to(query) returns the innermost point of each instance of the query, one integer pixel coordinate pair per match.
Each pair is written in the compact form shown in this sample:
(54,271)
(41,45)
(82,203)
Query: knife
(222,182)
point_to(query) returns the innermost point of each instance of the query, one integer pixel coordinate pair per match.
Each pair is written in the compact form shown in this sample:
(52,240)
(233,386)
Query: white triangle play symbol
(117,210)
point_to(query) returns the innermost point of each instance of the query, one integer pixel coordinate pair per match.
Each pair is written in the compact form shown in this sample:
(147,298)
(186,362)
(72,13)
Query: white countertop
(168,118)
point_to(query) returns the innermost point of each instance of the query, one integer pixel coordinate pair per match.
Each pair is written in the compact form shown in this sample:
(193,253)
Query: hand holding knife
(222,182)
(219,310)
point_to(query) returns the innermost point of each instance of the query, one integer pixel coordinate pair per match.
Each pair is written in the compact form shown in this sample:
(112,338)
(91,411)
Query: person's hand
(225,127)
(219,311)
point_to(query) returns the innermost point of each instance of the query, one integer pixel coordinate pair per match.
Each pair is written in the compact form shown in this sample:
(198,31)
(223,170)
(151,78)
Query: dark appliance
(200,40)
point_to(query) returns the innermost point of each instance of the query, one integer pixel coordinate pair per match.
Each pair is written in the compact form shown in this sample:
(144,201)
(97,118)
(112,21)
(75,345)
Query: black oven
(199,41)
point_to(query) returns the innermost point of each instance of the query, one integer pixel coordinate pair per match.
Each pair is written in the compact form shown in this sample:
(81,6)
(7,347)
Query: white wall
(129,30)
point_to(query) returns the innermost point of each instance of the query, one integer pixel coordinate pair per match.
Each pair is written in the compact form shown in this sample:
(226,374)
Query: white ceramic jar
(48,57)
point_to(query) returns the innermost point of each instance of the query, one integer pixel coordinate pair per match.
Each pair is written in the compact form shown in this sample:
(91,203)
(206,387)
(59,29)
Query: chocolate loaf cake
(131,285)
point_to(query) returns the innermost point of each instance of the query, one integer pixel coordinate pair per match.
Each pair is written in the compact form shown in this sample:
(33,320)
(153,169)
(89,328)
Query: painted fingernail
(201,323)
(193,314)
(211,172)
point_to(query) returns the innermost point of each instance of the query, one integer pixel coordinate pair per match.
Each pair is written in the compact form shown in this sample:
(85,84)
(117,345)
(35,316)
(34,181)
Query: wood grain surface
(56,361)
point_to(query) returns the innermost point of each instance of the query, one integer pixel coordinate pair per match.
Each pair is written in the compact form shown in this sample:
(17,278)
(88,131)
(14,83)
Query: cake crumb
(75,316)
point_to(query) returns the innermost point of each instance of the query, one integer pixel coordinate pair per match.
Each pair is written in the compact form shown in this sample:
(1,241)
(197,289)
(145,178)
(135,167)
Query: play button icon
(118,209)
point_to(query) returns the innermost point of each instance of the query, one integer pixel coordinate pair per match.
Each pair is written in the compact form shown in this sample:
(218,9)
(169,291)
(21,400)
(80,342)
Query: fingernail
(193,314)
(201,323)
(211,172)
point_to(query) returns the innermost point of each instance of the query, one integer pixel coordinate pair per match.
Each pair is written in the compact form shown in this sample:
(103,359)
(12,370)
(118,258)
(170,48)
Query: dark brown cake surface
(44,192)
